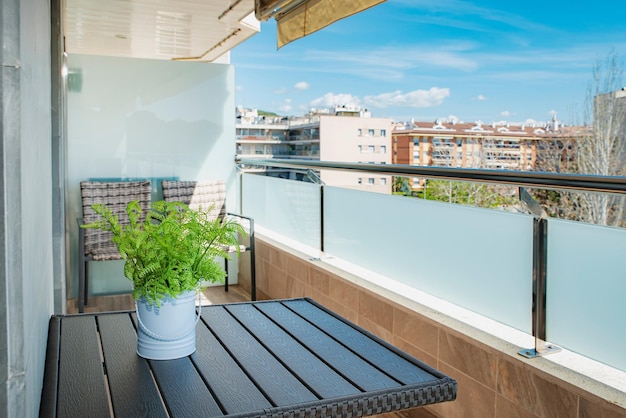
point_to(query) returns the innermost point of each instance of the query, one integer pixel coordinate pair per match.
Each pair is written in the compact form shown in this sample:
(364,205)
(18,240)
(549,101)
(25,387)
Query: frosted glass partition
(586,294)
(479,259)
(289,208)
(130,119)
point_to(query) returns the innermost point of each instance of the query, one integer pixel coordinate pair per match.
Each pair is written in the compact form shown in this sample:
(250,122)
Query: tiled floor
(211,295)
(216,294)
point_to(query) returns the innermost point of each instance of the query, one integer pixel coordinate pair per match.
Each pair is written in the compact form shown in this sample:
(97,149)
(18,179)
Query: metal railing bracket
(533,352)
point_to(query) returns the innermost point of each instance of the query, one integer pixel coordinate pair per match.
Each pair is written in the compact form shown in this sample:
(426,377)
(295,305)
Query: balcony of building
(451,285)
(457,286)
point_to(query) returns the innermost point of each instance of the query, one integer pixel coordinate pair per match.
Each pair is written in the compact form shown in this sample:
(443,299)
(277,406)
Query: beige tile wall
(492,383)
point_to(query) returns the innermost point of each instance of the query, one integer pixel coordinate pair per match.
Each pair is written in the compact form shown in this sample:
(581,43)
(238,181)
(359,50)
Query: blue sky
(427,59)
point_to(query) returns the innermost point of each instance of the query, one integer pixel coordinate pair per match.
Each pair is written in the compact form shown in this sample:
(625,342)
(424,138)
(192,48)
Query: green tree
(401,185)
(602,149)
(472,194)
(599,148)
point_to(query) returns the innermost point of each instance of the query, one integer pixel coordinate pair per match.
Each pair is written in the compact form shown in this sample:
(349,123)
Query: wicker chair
(205,195)
(96,245)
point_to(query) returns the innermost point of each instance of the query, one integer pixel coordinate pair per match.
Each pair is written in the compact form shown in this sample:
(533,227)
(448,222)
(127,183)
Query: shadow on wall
(189,144)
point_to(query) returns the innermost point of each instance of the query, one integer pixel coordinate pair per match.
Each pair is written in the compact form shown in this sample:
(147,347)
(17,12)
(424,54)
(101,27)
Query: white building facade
(343,135)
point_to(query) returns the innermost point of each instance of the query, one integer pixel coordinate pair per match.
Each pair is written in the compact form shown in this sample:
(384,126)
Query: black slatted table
(269,358)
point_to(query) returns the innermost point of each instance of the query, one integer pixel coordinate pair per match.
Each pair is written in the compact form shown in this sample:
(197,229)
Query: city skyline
(425,60)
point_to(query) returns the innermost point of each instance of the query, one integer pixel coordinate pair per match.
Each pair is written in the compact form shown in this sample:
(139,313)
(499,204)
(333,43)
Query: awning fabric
(314,15)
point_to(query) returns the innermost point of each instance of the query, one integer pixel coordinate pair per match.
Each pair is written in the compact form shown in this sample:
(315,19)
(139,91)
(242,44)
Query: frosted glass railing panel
(479,259)
(586,293)
(289,208)
(130,118)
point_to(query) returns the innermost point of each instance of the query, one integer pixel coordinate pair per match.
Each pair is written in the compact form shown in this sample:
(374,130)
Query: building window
(383,132)
(360,132)
(370,180)
(370,132)
(370,149)
(360,180)
(383,149)
(383,181)
(360,148)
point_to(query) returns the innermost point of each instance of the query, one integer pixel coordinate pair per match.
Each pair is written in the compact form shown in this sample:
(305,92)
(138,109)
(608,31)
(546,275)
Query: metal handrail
(579,182)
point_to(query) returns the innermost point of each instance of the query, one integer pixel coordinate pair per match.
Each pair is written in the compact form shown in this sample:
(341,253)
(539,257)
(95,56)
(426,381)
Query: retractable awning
(298,18)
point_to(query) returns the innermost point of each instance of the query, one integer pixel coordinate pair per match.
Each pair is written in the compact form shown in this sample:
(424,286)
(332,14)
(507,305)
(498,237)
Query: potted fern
(168,253)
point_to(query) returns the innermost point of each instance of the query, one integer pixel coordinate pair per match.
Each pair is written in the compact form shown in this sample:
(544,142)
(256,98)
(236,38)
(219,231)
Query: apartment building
(474,145)
(345,133)
(261,136)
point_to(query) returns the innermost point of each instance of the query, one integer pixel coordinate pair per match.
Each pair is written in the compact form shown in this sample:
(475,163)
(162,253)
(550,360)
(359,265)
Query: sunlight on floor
(216,295)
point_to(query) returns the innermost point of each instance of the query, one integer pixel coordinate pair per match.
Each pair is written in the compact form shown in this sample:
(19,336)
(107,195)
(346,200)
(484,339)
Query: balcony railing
(569,292)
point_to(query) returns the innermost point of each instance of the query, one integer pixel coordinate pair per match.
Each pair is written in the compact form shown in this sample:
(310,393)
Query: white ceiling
(201,30)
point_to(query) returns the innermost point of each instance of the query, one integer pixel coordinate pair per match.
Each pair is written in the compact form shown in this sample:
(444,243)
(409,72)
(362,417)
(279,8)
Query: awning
(298,18)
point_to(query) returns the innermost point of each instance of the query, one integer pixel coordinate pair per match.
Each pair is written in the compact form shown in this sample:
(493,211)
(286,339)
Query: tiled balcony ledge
(494,381)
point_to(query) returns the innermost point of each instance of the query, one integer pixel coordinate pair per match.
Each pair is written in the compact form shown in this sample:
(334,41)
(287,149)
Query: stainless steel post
(540,265)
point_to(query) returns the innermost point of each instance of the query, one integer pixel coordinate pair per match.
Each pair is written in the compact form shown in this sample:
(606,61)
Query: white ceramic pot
(169,331)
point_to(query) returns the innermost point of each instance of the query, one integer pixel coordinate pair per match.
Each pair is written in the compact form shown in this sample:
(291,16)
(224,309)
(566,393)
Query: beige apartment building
(345,134)
(475,145)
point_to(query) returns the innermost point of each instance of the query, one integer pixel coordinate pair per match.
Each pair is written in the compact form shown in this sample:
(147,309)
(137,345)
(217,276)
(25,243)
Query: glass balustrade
(289,208)
(586,292)
(478,259)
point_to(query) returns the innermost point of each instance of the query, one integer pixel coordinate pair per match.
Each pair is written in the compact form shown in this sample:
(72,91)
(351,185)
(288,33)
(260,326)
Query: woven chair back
(115,196)
(198,195)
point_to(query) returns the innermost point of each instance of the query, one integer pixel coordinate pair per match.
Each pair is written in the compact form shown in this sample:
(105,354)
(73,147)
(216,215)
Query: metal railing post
(539,273)
(322,218)
(312,175)
(240,175)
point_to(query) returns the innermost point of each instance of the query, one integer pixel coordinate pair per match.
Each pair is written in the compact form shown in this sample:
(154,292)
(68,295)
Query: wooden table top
(265,358)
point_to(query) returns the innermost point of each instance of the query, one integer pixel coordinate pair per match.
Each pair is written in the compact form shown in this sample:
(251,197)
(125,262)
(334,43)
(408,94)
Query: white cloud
(286,107)
(480,14)
(481,97)
(332,99)
(302,85)
(417,98)
(506,113)
(383,63)
(281,90)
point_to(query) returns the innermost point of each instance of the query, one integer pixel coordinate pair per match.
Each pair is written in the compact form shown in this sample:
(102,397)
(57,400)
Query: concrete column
(26,274)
